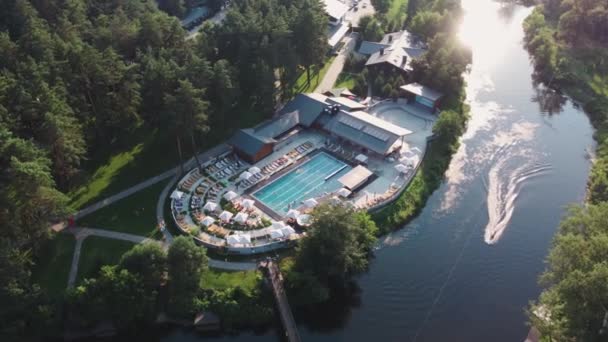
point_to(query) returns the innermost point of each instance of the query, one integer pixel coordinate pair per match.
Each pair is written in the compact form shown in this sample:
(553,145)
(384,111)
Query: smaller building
(355,178)
(251,147)
(421,95)
(336,11)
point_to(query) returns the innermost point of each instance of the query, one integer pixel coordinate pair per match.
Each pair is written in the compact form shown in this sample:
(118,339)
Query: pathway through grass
(97,252)
(135,214)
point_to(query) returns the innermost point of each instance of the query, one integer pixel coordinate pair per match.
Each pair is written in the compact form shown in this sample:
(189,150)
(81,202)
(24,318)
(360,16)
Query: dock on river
(275,279)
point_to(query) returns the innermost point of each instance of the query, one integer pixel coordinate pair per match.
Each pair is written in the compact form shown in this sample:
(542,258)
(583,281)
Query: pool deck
(387,184)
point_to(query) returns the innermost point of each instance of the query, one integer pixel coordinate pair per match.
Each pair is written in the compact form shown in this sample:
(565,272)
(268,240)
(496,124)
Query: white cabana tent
(210,206)
(401,168)
(241,217)
(287,231)
(311,203)
(361,158)
(248,203)
(226,216)
(304,220)
(244,238)
(207,221)
(276,233)
(177,195)
(292,214)
(344,192)
(278,225)
(230,195)
(245,175)
(254,170)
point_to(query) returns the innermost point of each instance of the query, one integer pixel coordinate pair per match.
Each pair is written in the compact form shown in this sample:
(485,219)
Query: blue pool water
(302,183)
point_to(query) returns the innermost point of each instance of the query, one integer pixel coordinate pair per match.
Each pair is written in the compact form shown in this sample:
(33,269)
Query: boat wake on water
(504,184)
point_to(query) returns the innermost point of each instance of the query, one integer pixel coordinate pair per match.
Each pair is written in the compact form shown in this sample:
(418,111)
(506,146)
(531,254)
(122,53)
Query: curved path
(81,233)
(212,152)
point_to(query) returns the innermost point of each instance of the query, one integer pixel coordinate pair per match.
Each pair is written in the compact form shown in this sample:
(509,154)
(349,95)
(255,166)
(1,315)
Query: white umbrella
(207,221)
(278,224)
(230,195)
(226,216)
(416,149)
(248,203)
(232,239)
(254,170)
(287,231)
(401,168)
(241,217)
(311,203)
(344,192)
(245,175)
(177,195)
(276,233)
(293,214)
(210,206)
(304,220)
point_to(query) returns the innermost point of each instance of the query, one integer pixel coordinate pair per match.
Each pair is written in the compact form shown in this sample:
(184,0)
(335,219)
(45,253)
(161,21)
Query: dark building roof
(396,48)
(307,106)
(248,142)
(366,130)
(420,90)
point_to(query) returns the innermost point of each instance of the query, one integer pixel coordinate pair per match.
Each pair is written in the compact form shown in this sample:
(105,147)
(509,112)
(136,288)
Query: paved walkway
(81,233)
(334,70)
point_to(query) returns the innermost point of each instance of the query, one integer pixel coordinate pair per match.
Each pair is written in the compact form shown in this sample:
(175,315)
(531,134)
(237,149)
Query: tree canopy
(576,300)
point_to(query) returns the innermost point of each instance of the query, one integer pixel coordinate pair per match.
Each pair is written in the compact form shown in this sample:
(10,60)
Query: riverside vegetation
(569,43)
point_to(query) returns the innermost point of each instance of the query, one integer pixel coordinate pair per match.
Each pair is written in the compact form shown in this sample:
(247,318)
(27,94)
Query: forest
(79,78)
(568,40)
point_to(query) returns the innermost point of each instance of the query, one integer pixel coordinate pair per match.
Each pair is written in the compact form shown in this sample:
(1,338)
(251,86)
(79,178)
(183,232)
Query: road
(334,70)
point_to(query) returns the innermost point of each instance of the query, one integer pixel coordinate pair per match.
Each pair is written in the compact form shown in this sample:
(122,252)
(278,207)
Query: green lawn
(135,214)
(216,279)
(149,154)
(302,85)
(345,80)
(53,266)
(98,251)
(397,11)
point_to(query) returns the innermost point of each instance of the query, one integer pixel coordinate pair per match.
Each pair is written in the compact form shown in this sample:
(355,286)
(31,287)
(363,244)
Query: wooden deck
(275,279)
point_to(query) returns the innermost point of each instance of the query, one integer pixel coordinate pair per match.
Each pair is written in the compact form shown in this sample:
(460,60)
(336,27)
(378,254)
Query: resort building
(371,133)
(395,52)
(257,194)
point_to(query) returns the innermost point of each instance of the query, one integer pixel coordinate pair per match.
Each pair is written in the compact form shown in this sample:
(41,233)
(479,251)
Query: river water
(465,269)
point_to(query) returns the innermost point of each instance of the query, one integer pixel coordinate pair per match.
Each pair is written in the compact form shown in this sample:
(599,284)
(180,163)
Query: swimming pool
(309,179)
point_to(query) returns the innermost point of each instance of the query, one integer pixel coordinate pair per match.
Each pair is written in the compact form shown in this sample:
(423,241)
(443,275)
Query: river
(465,269)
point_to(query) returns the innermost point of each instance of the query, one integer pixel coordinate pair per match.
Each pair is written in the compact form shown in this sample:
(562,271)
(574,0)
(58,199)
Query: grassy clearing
(53,266)
(220,280)
(98,251)
(398,11)
(302,85)
(135,214)
(345,80)
(150,154)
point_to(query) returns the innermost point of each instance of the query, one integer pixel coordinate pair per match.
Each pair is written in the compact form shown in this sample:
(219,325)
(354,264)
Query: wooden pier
(275,280)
